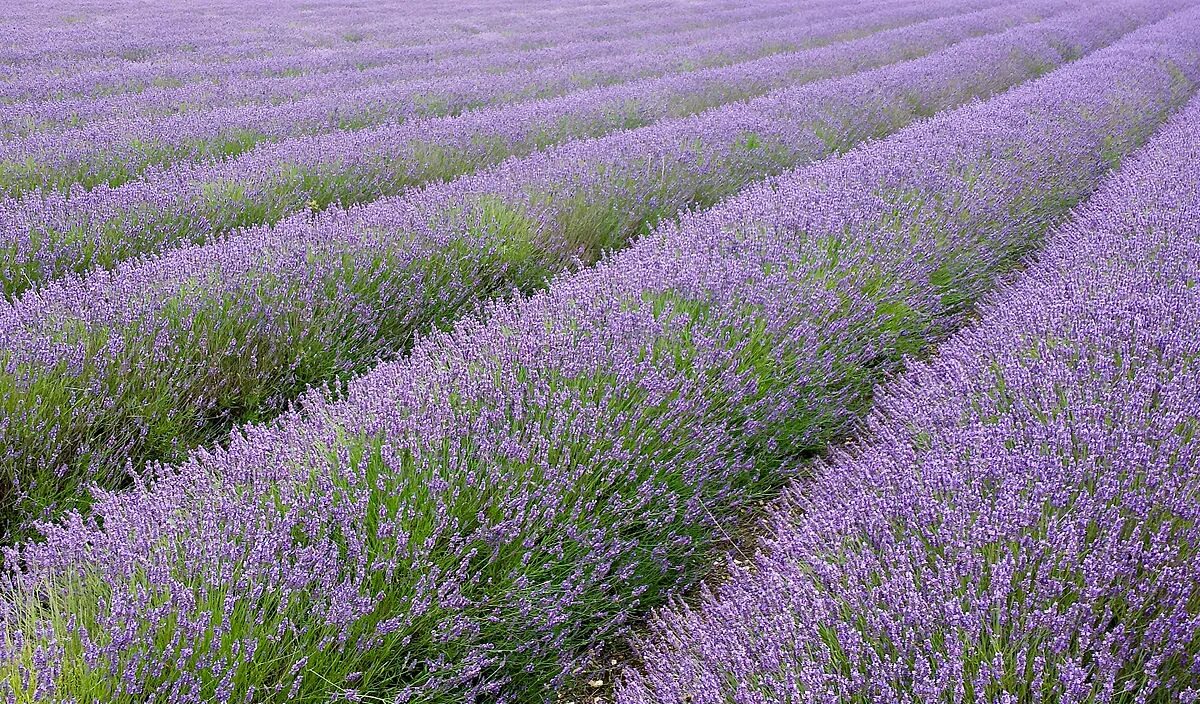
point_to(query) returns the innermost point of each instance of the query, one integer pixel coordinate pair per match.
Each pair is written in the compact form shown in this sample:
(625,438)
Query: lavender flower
(467,523)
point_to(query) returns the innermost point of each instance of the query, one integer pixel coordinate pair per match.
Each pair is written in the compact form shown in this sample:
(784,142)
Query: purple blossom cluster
(471,522)
(1023,524)
(50,233)
(120,149)
(159,356)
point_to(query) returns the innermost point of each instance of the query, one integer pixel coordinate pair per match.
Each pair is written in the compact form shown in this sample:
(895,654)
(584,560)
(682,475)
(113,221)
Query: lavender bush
(156,358)
(466,524)
(1023,526)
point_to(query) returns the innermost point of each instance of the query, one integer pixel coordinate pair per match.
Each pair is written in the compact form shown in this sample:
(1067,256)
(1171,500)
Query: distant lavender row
(165,89)
(120,36)
(188,70)
(472,523)
(117,151)
(266,82)
(219,31)
(46,235)
(1024,526)
(163,355)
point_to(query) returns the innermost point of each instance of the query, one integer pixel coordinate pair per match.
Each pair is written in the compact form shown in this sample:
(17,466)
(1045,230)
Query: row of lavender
(1024,524)
(160,356)
(471,522)
(49,234)
(40,99)
(121,149)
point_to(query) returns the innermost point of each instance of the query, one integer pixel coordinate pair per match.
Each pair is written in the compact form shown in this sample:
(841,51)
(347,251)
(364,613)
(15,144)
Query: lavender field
(620,351)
